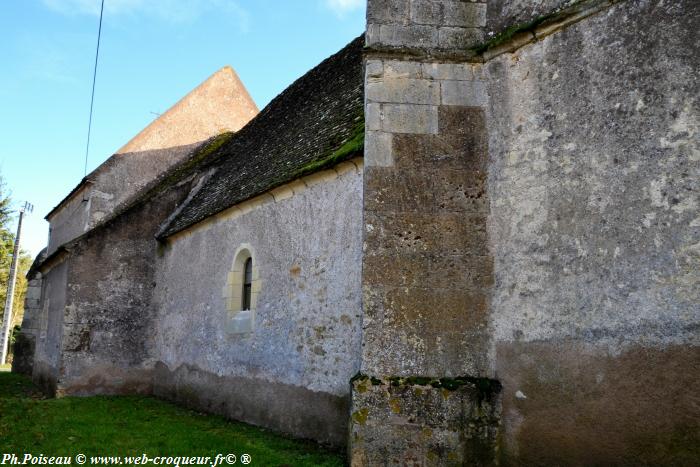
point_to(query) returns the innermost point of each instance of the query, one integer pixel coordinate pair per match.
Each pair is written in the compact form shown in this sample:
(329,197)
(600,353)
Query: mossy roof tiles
(306,128)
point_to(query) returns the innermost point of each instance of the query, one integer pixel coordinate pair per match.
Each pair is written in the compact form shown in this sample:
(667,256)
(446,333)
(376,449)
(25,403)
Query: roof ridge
(306,128)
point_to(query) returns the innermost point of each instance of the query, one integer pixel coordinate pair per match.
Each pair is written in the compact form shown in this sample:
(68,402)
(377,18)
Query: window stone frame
(241,321)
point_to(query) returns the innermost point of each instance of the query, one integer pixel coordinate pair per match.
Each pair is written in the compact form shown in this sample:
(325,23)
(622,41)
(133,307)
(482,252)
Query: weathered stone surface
(411,232)
(504,13)
(597,183)
(460,310)
(589,197)
(290,409)
(468,121)
(459,38)
(24,347)
(219,104)
(374,69)
(409,118)
(378,149)
(427,13)
(593,181)
(387,190)
(23,354)
(404,91)
(459,151)
(408,270)
(449,13)
(453,71)
(463,93)
(99,338)
(391,11)
(445,190)
(396,35)
(428,425)
(427,271)
(570,401)
(464,14)
(373,116)
(425,26)
(47,350)
(305,341)
(402,69)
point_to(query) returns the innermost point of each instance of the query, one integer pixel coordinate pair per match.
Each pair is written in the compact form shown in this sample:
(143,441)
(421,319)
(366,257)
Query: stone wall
(426,256)
(502,14)
(47,356)
(584,127)
(288,368)
(118,306)
(427,268)
(295,206)
(25,343)
(220,104)
(424,26)
(72,220)
(96,329)
(424,421)
(594,181)
(107,341)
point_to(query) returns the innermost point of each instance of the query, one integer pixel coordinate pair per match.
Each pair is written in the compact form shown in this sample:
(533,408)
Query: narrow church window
(242,290)
(247,283)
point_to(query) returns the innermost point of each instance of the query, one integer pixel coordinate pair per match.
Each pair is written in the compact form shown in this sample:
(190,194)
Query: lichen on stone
(360,416)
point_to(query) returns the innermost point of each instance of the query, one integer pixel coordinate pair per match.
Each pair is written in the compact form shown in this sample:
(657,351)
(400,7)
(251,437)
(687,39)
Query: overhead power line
(92,96)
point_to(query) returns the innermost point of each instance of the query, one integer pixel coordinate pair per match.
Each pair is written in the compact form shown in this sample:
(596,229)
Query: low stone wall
(424,421)
(23,354)
(292,410)
(25,342)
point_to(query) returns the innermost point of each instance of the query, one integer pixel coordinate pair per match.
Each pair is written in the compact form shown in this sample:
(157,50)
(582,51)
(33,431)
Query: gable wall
(71,221)
(218,105)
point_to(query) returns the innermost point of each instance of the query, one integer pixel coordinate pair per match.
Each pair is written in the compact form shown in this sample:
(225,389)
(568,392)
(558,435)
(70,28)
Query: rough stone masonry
(531,234)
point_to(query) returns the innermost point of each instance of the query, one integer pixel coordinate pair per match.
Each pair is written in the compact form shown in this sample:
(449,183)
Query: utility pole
(7,317)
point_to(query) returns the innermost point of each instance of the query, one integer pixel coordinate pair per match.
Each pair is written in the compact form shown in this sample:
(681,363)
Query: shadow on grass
(133,426)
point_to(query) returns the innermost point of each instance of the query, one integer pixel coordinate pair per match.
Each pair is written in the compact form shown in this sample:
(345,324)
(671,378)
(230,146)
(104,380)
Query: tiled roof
(316,122)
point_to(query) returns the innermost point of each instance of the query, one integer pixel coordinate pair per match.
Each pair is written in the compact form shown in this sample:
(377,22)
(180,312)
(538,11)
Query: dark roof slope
(36,263)
(316,122)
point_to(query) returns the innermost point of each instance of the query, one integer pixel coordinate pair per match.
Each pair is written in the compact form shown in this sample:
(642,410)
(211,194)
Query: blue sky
(152,53)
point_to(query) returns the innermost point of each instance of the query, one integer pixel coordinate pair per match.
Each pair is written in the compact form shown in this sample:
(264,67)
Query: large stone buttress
(424,394)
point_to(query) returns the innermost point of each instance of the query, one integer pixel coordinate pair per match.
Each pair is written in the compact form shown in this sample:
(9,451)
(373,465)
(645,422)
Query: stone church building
(470,237)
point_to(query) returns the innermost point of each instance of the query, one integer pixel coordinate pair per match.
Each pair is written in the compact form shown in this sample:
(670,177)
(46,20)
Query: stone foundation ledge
(424,421)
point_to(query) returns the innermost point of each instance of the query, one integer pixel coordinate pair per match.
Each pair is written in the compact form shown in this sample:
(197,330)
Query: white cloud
(175,11)
(341,7)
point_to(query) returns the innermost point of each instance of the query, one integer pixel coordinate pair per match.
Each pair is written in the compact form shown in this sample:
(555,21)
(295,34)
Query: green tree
(7,243)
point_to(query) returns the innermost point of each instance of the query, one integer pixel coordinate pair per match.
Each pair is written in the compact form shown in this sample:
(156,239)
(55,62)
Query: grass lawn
(133,426)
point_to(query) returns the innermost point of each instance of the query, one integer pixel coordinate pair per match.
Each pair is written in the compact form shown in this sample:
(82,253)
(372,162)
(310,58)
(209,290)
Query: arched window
(241,291)
(247,283)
